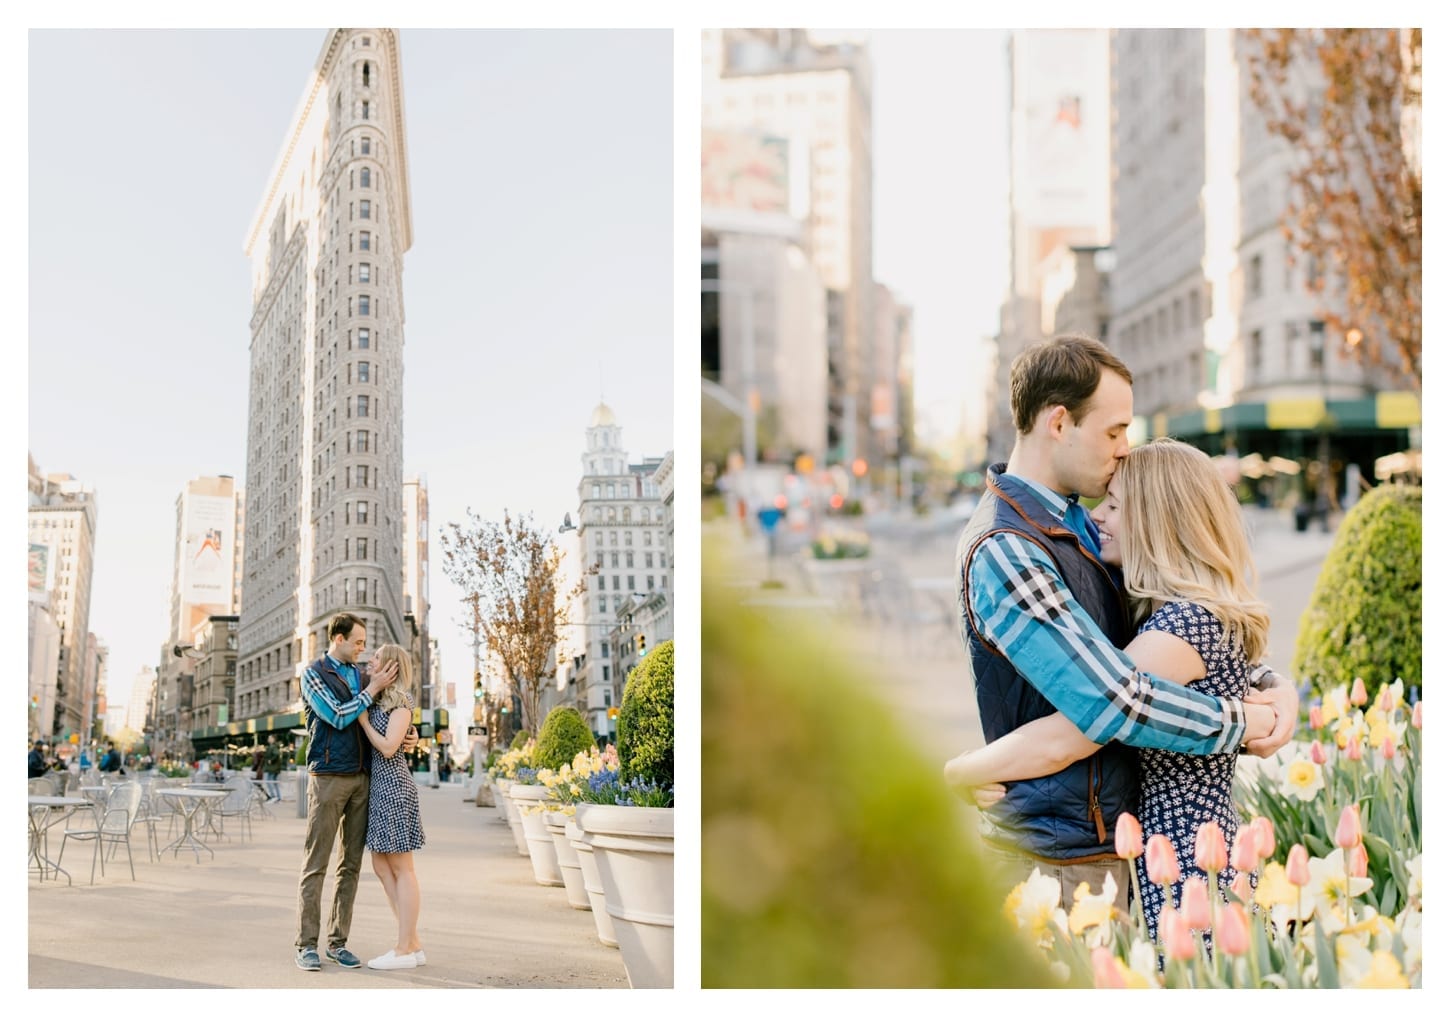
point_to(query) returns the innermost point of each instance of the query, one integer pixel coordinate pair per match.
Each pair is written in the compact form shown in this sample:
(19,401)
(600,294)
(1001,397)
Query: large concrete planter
(593,887)
(634,850)
(539,843)
(511,816)
(554,822)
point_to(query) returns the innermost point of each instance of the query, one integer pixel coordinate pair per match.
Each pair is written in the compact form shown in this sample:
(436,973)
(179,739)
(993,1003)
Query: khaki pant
(333,802)
(1016,867)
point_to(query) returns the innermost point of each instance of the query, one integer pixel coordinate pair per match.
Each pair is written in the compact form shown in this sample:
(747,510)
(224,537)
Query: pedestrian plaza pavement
(229,921)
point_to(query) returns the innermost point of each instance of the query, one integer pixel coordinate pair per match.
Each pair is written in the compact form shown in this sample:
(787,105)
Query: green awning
(1384,411)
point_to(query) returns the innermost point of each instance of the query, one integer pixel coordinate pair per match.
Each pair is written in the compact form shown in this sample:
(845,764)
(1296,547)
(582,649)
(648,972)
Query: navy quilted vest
(328,749)
(1070,815)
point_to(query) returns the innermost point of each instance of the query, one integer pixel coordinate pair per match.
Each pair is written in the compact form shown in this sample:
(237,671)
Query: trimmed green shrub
(520,738)
(564,735)
(647,719)
(833,855)
(1363,619)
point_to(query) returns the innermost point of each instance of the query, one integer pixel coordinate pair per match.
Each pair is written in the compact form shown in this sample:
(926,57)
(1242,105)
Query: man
(111,761)
(1044,622)
(273,762)
(334,702)
(38,764)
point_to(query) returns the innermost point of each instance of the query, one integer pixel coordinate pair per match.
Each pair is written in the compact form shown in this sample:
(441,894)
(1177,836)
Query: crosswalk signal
(639,643)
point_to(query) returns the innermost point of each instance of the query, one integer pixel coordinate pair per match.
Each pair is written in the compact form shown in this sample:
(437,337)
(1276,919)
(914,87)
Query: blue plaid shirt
(1024,610)
(323,703)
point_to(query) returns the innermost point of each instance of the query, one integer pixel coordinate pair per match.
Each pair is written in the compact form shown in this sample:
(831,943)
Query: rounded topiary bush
(832,854)
(564,735)
(1363,619)
(647,719)
(521,739)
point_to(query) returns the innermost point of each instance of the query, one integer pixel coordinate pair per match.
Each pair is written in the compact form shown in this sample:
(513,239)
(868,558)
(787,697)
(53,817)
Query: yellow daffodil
(1332,889)
(1303,779)
(1407,925)
(1284,901)
(1034,904)
(1336,704)
(1090,911)
(1361,969)
(1350,727)
(1414,888)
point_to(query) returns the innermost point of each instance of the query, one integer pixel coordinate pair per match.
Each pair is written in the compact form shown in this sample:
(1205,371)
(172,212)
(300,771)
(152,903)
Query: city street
(230,921)
(898,614)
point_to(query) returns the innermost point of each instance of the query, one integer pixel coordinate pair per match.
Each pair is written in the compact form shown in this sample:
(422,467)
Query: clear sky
(940,204)
(540,277)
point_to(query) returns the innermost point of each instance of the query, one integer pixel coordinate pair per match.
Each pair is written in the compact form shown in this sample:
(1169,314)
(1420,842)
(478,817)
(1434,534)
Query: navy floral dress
(394,825)
(1181,792)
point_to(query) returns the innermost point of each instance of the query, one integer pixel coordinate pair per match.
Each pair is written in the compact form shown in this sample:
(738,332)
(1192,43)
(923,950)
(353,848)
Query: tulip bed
(1330,830)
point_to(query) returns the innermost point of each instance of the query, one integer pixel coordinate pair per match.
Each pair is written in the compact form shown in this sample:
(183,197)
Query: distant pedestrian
(39,766)
(274,760)
(111,761)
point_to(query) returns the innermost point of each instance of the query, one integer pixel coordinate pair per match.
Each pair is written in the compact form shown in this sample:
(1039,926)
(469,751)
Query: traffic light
(639,643)
(477,685)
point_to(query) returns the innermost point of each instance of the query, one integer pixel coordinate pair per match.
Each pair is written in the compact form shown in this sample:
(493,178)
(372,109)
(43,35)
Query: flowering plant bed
(836,545)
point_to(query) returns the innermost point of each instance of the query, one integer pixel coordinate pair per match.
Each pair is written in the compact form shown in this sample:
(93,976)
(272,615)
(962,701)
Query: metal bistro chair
(114,828)
(237,804)
(153,812)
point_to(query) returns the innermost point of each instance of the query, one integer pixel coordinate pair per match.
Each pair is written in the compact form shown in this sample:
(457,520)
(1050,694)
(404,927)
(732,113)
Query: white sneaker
(390,961)
(420,958)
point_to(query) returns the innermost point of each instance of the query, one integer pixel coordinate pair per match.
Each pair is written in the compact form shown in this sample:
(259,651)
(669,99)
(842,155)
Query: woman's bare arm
(399,721)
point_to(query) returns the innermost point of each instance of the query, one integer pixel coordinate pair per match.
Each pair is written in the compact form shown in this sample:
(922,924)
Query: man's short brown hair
(1062,371)
(342,625)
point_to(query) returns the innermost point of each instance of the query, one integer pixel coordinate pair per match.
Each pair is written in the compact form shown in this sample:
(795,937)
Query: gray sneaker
(308,960)
(343,956)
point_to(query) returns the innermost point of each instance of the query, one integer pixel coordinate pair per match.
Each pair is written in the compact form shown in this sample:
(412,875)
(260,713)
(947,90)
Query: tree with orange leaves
(1347,101)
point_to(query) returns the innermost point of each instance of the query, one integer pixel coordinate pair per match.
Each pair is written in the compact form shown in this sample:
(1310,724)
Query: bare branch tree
(1347,101)
(510,571)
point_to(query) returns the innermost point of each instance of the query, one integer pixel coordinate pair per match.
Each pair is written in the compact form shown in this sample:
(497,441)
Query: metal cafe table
(45,811)
(186,801)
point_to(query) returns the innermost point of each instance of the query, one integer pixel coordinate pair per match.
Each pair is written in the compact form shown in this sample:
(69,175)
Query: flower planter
(511,816)
(568,860)
(603,924)
(634,850)
(539,844)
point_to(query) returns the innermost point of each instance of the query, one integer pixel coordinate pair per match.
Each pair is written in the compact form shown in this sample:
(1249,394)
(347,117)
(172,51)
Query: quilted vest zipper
(1095,808)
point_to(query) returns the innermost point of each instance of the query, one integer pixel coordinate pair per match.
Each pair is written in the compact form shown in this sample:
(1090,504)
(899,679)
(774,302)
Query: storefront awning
(1384,411)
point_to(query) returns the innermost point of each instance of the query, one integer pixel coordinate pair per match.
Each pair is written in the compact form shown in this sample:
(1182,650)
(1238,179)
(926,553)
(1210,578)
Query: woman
(395,830)
(1177,531)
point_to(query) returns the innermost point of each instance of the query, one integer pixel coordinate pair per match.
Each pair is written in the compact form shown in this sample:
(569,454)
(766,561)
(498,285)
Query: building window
(365,110)
(628,538)
(601,582)
(364,304)
(362,508)
(1316,344)
(1256,350)
(606,672)
(364,209)
(366,177)
(367,74)
(367,146)
(364,241)
(615,580)
(363,374)
(362,473)
(362,591)
(649,559)
(362,338)
(1256,277)
(650,581)
(362,441)
(362,406)
(629,559)
(631,582)
(362,548)
(614,559)
(594,489)
(364,273)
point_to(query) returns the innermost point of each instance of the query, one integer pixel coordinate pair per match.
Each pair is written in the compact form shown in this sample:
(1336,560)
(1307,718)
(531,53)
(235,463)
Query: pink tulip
(1387,748)
(1209,851)
(1348,833)
(1297,870)
(1354,751)
(1128,839)
(1233,930)
(1316,718)
(1265,827)
(1106,974)
(1358,862)
(1162,861)
(1386,700)
(1317,755)
(1357,694)
(1415,715)
(1175,935)
(1241,887)
(1194,904)
(1246,848)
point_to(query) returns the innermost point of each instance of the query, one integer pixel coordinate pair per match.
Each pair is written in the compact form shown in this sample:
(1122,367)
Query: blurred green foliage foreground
(832,854)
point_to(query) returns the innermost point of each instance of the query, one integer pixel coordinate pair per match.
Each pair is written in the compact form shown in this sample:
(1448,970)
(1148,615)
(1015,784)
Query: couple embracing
(1115,655)
(359,785)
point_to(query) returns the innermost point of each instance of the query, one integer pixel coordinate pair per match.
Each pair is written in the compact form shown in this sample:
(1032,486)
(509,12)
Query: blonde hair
(400,693)
(1186,542)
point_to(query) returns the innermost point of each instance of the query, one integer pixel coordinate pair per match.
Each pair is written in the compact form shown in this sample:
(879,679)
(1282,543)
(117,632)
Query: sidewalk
(230,921)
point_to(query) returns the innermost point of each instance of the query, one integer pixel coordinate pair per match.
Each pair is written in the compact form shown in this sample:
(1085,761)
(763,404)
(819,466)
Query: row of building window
(597,538)
(600,514)
(649,580)
(649,559)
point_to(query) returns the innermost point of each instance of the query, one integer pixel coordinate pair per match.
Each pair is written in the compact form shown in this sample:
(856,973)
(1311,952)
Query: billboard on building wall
(206,558)
(40,578)
(744,172)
